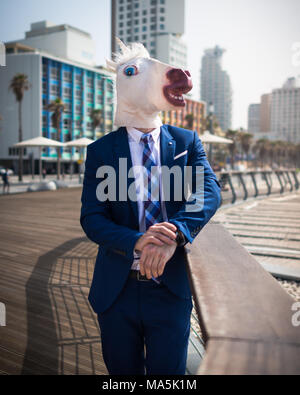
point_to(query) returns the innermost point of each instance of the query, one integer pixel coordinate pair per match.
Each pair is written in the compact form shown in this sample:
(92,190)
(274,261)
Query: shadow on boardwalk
(62,330)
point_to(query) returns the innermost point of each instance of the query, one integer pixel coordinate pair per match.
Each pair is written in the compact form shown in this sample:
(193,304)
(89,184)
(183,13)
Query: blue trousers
(146,331)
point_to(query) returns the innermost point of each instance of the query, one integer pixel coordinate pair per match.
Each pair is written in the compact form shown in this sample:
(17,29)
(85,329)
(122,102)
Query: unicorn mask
(145,87)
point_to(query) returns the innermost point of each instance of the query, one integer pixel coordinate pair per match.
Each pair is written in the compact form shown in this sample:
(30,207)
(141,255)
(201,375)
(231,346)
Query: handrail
(285,177)
(245,315)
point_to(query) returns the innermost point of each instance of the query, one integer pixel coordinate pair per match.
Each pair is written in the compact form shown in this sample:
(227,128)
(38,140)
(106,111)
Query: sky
(258,36)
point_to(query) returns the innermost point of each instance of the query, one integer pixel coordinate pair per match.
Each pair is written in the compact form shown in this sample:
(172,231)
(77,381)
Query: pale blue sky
(258,35)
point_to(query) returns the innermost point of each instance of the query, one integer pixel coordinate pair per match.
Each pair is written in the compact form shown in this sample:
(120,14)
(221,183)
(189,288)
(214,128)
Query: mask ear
(111,65)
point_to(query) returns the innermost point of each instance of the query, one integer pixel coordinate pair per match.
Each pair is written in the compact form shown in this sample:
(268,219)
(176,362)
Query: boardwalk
(46,265)
(270,230)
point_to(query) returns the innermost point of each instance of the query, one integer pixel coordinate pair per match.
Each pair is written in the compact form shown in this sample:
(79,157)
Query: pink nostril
(177,74)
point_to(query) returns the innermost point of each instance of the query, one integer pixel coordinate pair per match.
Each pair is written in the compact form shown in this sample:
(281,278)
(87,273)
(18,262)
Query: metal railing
(253,183)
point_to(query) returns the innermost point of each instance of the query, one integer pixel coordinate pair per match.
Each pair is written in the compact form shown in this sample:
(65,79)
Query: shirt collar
(136,134)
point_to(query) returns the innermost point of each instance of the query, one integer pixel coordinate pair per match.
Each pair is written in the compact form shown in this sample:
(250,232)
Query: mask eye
(130,71)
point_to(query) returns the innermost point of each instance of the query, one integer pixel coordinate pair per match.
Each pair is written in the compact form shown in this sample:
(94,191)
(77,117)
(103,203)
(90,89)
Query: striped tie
(152,204)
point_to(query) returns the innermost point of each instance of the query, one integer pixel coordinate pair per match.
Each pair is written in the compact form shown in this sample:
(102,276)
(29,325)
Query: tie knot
(146,138)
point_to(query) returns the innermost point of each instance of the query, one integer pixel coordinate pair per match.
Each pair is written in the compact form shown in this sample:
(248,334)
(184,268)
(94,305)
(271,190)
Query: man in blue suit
(140,288)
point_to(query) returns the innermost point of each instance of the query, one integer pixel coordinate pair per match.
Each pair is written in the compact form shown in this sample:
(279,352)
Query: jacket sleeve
(206,195)
(95,216)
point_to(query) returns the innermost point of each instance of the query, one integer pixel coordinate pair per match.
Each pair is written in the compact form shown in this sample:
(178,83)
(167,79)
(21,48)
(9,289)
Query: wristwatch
(180,239)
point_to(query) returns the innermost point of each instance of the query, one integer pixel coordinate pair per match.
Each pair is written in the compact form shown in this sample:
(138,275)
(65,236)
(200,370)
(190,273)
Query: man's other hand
(154,258)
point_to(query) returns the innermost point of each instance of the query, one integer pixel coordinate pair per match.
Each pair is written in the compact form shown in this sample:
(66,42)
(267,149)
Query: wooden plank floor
(46,265)
(270,229)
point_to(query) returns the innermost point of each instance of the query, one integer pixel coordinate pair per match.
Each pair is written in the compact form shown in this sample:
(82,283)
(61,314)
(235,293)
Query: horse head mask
(145,87)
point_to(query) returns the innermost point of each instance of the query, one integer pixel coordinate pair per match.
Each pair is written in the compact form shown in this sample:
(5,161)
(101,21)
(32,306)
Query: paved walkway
(270,229)
(46,265)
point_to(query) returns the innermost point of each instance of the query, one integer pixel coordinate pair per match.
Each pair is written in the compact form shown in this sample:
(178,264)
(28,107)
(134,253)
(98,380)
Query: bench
(245,315)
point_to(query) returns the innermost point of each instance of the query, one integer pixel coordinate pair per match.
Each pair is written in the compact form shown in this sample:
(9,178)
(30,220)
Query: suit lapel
(167,153)
(122,150)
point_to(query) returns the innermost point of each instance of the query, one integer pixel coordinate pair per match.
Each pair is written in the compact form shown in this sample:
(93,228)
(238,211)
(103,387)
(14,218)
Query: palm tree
(232,135)
(96,116)
(245,140)
(57,107)
(262,148)
(189,118)
(18,85)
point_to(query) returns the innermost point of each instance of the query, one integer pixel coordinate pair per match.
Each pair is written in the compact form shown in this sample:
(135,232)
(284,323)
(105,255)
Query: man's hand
(154,258)
(158,234)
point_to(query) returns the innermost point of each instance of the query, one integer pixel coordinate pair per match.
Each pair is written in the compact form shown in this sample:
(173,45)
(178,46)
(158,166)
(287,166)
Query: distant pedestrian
(44,173)
(5,179)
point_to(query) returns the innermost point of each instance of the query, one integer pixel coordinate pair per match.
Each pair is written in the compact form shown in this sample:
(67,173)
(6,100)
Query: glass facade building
(82,91)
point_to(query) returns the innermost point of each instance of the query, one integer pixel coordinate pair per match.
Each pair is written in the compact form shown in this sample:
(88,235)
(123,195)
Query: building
(63,41)
(265,113)
(216,86)
(158,24)
(285,111)
(81,87)
(195,109)
(254,119)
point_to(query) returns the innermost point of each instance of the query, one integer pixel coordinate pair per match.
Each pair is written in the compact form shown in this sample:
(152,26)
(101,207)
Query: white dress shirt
(136,151)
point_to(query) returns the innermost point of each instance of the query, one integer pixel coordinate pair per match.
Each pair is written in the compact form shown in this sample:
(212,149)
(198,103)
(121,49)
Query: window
(145,20)
(54,89)
(54,73)
(89,81)
(44,70)
(137,29)
(44,121)
(89,96)
(162,10)
(121,24)
(67,75)
(67,92)
(78,78)
(162,27)
(44,87)
(67,123)
(78,94)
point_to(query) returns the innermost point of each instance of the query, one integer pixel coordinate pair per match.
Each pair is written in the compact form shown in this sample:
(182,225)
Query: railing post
(289,181)
(232,189)
(280,182)
(240,176)
(265,177)
(252,174)
(296,179)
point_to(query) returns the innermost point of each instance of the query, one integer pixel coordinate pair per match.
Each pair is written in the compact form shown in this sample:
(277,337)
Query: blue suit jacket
(114,225)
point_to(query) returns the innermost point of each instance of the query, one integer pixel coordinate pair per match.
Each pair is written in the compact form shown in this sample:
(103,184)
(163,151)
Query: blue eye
(130,71)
